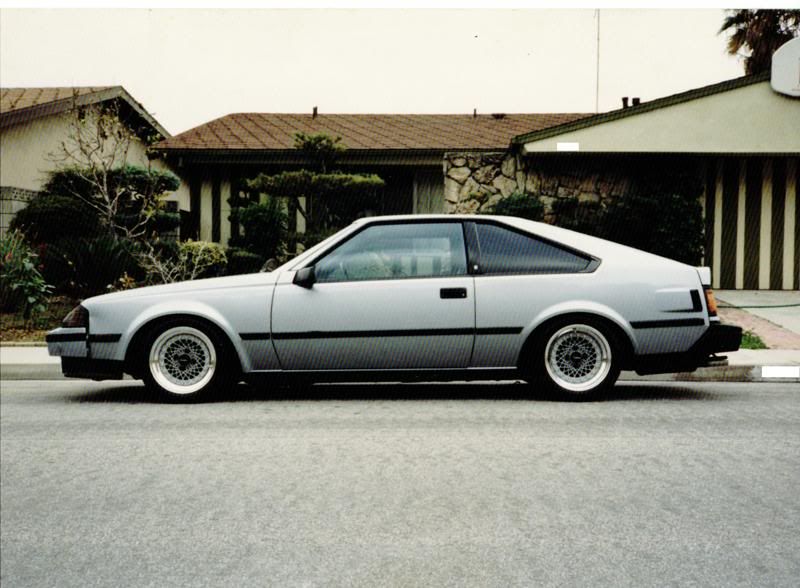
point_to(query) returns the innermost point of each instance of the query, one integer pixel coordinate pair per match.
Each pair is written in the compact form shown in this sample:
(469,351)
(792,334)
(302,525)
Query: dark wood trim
(711,199)
(730,206)
(235,183)
(796,268)
(195,203)
(216,210)
(778,212)
(752,224)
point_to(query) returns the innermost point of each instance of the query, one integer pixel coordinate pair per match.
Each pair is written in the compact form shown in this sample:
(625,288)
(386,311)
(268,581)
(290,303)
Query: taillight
(711,302)
(77,317)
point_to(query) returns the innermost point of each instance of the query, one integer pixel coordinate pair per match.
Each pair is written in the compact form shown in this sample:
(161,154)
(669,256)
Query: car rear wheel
(185,360)
(577,359)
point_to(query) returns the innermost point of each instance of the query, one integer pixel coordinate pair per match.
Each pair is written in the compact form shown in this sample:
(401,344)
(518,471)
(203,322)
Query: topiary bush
(265,228)
(241,261)
(50,218)
(522,205)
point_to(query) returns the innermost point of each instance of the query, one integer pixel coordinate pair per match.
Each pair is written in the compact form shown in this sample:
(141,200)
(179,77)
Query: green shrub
(665,223)
(521,205)
(584,217)
(752,341)
(87,267)
(22,287)
(189,260)
(50,218)
(241,261)
(265,227)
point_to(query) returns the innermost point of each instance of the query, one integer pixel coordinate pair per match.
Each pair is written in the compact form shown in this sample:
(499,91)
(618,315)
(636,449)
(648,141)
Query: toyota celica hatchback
(412,298)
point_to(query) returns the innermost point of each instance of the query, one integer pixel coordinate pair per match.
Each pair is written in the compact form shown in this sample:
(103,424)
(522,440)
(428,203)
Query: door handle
(453,293)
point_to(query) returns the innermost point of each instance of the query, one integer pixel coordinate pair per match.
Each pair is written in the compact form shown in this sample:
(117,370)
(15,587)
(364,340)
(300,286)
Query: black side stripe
(65,337)
(255,336)
(105,338)
(499,331)
(694,322)
(388,333)
(71,337)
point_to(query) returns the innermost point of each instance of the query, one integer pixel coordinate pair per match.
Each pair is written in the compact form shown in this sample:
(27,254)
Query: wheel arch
(145,328)
(619,332)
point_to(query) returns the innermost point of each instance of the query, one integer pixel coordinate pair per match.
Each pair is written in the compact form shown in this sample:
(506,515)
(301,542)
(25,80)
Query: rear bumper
(718,338)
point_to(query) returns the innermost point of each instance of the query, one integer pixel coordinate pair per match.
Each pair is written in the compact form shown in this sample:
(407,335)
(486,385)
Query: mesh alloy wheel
(578,358)
(182,360)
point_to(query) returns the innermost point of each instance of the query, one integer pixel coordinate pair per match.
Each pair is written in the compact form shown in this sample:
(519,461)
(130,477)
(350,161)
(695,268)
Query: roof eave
(642,108)
(13,117)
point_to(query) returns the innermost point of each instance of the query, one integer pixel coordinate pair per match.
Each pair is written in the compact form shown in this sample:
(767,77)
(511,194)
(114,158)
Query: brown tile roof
(13,99)
(19,105)
(267,131)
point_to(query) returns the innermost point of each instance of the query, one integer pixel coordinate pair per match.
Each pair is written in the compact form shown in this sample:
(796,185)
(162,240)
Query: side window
(388,252)
(504,251)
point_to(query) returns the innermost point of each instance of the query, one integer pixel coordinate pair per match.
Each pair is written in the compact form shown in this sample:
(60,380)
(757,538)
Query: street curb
(28,371)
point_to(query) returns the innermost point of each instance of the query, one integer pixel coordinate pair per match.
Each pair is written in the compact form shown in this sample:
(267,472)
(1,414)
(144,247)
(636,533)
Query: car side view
(439,297)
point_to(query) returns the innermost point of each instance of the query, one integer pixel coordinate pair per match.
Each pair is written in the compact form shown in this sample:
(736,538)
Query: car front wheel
(577,359)
(184,360)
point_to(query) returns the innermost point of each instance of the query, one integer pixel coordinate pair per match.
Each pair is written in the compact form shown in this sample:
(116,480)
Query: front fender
(182,307)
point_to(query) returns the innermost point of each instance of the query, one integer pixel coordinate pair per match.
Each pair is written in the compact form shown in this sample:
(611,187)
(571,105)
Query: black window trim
(438,221)
(593,261)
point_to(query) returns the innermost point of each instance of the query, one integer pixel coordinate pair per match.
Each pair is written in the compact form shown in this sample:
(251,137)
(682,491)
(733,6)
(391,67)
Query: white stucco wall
(27,150)
(750,119)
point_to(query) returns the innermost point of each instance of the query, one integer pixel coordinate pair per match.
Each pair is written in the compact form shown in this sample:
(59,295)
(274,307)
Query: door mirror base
(305,277)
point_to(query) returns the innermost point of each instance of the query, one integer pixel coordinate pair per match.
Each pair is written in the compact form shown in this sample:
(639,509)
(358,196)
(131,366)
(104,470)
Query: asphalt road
(473,485)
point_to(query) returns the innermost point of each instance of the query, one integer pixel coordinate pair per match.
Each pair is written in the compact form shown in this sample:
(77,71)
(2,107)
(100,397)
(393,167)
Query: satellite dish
(785,76)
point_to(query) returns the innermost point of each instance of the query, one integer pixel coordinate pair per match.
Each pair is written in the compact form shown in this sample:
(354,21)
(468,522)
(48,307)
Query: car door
(392,296)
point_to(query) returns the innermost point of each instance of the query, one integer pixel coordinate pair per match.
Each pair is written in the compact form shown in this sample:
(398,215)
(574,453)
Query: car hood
(193,286)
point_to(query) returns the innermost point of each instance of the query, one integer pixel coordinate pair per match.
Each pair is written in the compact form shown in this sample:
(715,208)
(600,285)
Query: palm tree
(756,34)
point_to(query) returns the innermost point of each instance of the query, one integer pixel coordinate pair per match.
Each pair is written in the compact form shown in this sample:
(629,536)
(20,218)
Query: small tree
(93,167)
(332,198)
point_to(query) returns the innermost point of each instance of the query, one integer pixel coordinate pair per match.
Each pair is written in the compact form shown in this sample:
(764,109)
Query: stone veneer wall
(476,181)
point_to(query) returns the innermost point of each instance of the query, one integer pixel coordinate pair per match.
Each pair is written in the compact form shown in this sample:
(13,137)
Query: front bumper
(75,348)
(718,338)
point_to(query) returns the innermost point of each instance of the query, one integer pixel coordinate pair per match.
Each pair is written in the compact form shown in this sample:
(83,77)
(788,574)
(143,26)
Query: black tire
(574,358)
(185,359)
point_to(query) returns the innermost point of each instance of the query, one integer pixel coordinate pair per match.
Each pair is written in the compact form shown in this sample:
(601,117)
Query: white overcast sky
(190,66)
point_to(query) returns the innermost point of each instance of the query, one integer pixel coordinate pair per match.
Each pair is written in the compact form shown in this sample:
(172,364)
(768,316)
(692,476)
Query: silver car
(412,298)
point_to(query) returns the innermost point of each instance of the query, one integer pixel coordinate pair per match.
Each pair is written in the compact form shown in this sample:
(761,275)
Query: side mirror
(305,277)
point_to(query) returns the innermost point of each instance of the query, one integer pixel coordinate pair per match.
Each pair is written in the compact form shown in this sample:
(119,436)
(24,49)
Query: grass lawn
(752,341)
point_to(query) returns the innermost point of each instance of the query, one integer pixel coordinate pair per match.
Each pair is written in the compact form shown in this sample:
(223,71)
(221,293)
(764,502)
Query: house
(35,122)
(741,137)
(405,150)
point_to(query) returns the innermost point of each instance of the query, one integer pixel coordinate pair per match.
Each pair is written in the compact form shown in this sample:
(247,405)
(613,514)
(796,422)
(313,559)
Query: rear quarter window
(503,251)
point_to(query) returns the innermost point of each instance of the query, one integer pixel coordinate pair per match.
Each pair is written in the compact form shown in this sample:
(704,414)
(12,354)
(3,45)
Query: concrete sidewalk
(747,365)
